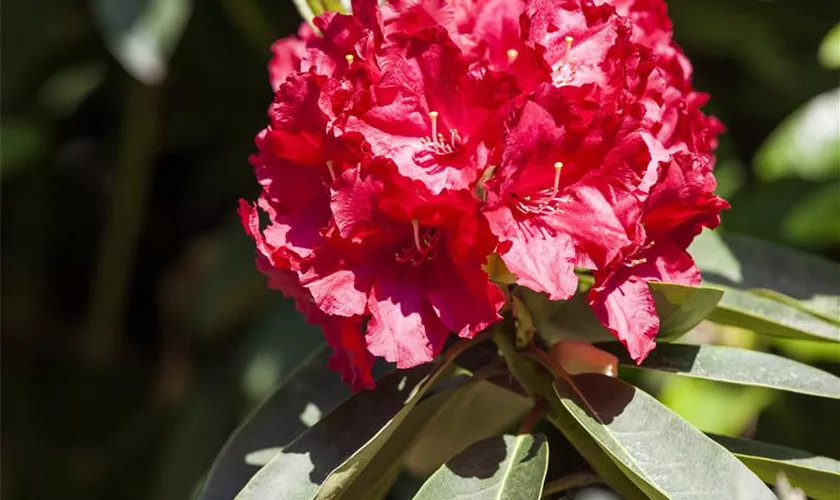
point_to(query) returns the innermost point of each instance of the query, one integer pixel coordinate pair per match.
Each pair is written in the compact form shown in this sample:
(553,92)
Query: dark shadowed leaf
(326,460)
(376,479)
(300,469)
(818,477)
(279,420)
(662,453)
(499,468)
(142,34)
(455,406)
(484,410)
(25,141)
(680,308)
(813,221)
(736,366)
(749,264)
(68,87)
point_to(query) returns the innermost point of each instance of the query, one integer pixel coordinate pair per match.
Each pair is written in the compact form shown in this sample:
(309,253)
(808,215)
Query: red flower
(405,145)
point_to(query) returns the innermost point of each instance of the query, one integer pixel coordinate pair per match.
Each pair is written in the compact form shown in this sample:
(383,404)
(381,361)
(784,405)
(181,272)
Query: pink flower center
(426,243)
(563,71)
(436,143)
(544,201)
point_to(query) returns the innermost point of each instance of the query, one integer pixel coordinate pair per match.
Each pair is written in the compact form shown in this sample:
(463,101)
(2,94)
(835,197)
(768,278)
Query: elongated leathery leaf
(734,365)
(745,263)
(662,453)
(325,460)
(771,317)
(302,466)
(499,468)
(680,307)
(818,477)
(274,424)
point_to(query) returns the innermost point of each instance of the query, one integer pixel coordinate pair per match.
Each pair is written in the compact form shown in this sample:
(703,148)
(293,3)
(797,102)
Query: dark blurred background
(136,332)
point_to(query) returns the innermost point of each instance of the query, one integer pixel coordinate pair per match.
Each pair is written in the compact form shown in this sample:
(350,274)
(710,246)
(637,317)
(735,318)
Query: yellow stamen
(636,262)
(512,54)
(349,58)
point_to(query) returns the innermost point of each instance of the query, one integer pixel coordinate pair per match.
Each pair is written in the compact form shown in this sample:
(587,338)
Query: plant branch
(533,417)
(135,158)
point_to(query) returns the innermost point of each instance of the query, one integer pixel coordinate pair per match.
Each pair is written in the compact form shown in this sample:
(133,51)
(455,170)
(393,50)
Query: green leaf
(484,410)
(68,87)
(326,460)
(750,264)
(309,9)
(261,457)
(24,143)
(818,477)
(499,468)
(586,444)
(829,54)
(564,320)
(662,453)
(735,366)
(300,469)
(142,34)
(807,351)
(275,423)
(806,144)
(713,406)
(770,317)
(535,379)
(814,222)
(680,308)
(378,477)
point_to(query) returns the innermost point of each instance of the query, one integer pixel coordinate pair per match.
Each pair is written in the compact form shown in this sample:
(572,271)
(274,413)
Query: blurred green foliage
(135,404)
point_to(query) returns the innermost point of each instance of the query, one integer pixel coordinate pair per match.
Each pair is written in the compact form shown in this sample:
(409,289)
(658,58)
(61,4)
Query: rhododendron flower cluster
(409,142)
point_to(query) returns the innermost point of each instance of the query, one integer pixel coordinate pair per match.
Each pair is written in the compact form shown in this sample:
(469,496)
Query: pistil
(512,54)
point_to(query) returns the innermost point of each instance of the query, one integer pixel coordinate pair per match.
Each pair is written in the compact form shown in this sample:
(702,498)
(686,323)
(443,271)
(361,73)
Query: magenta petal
(350,357)
(403,327)
(337,294)
(540,257)
(464,298)
(628,310)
